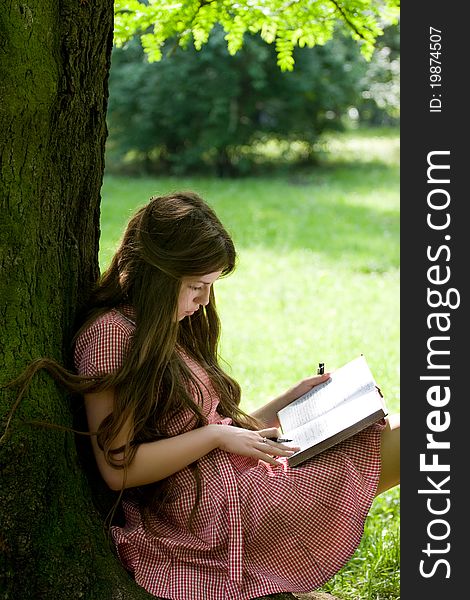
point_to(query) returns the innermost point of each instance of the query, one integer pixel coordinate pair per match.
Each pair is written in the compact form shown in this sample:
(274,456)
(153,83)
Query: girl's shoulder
(115,320)
(101,347)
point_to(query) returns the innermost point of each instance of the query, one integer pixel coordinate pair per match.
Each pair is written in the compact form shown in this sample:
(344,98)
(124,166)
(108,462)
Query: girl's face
(194,293)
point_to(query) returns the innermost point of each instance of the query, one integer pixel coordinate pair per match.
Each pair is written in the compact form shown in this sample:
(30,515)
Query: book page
(335,420)
(350,381)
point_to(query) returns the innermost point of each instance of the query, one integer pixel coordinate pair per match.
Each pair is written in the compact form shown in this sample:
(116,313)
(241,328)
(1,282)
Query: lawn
(317,280)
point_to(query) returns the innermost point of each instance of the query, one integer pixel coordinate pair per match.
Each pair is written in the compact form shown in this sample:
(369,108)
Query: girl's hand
(268,412)
(305,385)
(254,444)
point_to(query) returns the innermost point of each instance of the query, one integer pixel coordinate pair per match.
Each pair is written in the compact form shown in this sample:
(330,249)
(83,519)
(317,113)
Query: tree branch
(346,19)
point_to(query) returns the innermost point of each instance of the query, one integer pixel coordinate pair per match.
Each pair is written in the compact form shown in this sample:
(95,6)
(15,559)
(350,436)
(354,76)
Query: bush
(200,110)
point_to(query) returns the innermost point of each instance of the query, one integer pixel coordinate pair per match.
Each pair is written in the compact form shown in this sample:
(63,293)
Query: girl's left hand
(305,385)
(268,413)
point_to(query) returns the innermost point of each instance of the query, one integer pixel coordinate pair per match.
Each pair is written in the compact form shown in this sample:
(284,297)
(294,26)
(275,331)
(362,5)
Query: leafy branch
(287,24)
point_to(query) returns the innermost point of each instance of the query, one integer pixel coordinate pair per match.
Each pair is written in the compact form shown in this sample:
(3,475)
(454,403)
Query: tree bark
(55,59)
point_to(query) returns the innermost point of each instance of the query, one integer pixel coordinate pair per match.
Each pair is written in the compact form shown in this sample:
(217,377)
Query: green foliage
(381,85)
(288,23)
(204,108)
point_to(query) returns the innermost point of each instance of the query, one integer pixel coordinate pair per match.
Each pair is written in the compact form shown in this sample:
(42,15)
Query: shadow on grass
(344,208)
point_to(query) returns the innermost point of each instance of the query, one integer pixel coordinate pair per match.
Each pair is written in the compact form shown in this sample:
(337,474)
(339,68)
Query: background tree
(200,109)
(53,86)
(380,104)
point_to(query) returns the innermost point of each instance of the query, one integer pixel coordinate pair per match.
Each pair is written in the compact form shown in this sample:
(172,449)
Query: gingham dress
(259,529)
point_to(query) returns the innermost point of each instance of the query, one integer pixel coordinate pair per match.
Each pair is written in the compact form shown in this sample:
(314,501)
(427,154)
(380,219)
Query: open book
(332,411)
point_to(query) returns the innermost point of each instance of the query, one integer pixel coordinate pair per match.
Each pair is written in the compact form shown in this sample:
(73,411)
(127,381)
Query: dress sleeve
(102,347)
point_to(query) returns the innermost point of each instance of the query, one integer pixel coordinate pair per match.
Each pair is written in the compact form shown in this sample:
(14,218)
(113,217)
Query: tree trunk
(55,59)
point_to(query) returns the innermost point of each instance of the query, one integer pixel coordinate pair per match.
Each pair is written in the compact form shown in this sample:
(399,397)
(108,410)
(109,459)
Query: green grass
(317,280)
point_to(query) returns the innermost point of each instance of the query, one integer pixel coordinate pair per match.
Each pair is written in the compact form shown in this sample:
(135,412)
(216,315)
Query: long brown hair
(171,237)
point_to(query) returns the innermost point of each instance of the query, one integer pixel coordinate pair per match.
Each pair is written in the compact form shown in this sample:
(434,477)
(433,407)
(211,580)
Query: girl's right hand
(254,444)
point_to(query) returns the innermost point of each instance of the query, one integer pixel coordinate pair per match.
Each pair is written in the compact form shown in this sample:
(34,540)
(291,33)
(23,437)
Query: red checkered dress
(259,529)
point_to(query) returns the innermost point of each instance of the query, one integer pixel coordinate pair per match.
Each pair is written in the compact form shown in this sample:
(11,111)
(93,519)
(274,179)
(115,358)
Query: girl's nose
(203,298)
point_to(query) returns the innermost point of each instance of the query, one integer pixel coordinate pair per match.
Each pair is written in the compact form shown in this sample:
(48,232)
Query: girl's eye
(195,288)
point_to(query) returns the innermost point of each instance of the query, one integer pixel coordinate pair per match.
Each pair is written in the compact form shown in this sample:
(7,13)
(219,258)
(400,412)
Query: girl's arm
(267,414)
(157,460)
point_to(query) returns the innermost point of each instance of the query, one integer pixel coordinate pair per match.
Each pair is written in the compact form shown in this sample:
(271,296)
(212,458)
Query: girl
(212,509)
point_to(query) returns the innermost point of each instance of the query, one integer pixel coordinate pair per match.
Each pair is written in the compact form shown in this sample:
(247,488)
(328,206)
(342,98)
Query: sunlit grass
(373,572)
(317,280)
